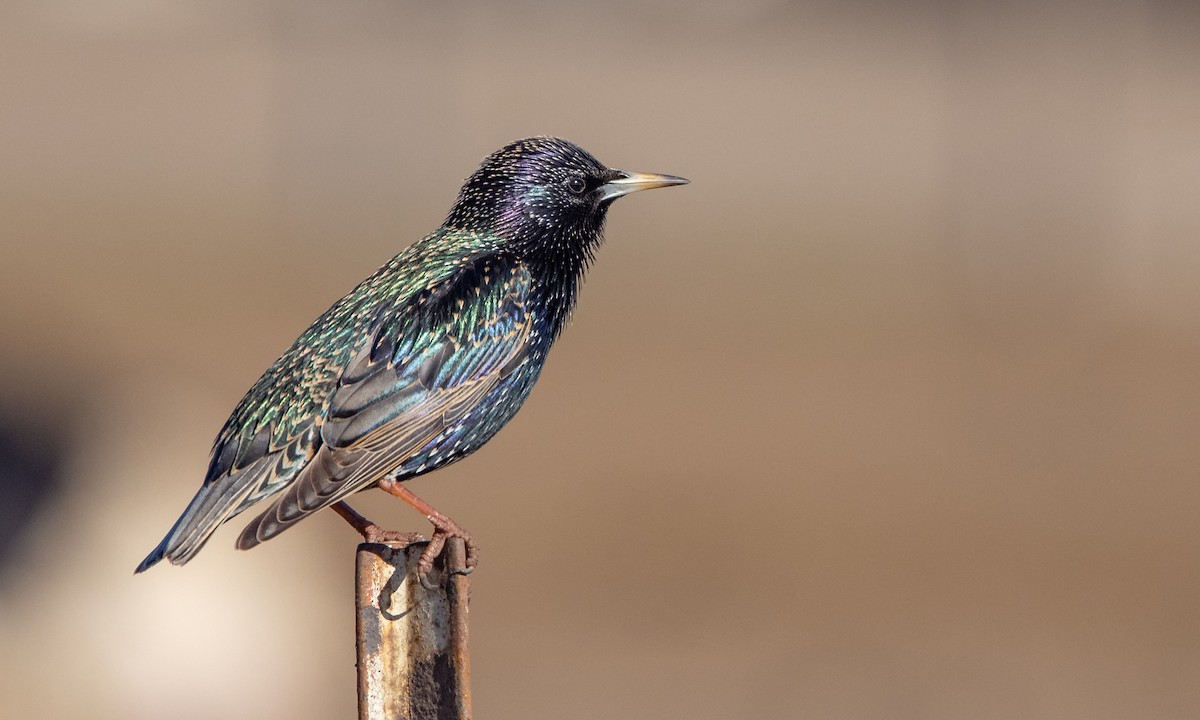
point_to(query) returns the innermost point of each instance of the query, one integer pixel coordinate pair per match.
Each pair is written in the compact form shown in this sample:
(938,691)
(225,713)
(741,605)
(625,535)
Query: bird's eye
(577,184)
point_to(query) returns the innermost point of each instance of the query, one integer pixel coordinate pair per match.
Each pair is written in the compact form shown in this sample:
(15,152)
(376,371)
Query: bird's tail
(154,557)
(215,503)
(175,547)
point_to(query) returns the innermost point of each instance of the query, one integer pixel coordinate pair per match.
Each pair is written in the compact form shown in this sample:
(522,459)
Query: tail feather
(154,557)
(214,504)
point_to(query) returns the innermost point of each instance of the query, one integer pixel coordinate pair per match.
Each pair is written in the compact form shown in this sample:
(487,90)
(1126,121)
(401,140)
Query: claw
(376,534)
(371,532)
(472,558)
(432,550)
(443,529)
(441,533)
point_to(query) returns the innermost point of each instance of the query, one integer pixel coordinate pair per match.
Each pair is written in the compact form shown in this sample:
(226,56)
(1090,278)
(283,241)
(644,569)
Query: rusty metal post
(413,661)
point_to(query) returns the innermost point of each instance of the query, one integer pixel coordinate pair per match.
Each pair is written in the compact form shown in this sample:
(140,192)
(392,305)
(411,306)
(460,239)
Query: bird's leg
(443,529)
(371,532)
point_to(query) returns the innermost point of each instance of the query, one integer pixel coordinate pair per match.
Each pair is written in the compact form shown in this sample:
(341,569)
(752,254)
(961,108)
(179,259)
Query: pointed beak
(629,182)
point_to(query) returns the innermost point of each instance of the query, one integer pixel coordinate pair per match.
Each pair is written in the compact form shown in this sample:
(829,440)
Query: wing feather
(406,386)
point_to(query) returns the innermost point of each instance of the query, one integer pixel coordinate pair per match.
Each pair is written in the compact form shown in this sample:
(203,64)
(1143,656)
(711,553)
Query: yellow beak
(629,182)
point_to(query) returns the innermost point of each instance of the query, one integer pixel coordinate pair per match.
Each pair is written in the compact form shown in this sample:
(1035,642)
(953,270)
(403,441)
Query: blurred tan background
(892,413)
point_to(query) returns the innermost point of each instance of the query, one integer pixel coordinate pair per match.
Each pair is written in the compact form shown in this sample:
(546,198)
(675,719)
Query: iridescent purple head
(545,193)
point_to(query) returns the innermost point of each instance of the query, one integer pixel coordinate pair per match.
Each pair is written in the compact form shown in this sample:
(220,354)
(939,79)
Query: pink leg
(370,531)
(443,529)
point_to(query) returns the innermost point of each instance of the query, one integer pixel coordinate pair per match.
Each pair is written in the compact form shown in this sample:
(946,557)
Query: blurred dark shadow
(30,464)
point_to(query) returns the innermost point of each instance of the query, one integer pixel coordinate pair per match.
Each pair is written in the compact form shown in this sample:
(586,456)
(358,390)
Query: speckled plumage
(425,360)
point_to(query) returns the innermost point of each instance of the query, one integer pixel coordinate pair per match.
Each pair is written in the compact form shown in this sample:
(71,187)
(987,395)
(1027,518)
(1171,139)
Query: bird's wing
(424,368)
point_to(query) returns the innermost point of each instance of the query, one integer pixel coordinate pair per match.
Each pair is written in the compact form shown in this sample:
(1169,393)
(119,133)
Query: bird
(420,364)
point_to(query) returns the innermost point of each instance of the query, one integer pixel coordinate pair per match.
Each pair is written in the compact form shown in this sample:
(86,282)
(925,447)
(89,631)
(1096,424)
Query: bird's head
(545,194)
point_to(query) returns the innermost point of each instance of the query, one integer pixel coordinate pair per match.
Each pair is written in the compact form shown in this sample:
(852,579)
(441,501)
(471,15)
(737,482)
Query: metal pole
(413,658)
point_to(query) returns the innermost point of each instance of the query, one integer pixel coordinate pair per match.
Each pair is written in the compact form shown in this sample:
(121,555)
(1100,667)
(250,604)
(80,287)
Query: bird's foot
(376,534)
(371,532)
(443,529)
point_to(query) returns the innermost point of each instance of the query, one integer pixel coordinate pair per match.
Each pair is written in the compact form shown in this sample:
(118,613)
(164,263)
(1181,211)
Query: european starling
(422,363)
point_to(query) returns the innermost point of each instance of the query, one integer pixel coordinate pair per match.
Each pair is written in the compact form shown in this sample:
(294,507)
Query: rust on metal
(413,656)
